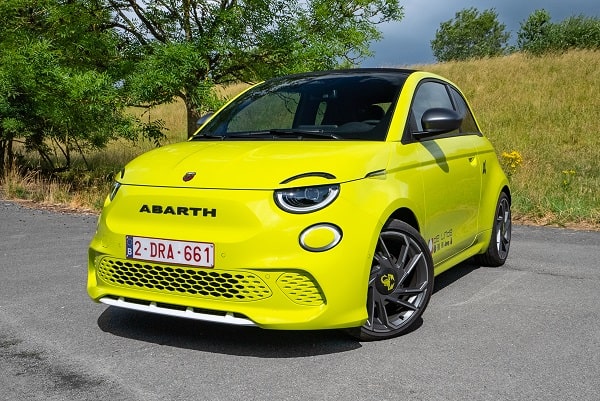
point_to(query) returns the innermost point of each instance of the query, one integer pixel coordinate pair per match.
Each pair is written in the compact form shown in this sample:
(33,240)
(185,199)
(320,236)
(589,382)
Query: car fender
(399,199)
(494,182)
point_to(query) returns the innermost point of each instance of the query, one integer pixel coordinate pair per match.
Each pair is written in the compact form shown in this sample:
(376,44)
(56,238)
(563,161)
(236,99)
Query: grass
(37,188)
(543,109)
(538,111)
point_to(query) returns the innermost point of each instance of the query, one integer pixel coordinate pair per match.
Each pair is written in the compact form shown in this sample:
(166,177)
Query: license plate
(200,254)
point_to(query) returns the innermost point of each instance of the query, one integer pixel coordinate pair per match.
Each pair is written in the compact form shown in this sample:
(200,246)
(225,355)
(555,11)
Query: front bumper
(262,275)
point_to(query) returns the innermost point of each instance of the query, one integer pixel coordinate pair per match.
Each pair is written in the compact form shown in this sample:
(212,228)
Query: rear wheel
(400,283)
(497,251)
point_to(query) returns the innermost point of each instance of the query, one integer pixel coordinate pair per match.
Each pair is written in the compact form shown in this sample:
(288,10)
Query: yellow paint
(253,236)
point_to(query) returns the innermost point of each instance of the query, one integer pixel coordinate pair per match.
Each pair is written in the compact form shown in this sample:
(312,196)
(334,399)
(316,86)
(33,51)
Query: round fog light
(320,237)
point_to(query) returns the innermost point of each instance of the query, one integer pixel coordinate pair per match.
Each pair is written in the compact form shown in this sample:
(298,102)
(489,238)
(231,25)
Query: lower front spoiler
(168,310)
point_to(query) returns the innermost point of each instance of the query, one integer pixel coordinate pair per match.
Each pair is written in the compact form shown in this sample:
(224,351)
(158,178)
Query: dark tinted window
(433,94)
(429,95)
(468,124)
(349,105)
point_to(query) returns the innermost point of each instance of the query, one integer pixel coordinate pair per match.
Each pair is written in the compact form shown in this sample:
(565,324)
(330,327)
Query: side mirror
(438,121)
(203,119)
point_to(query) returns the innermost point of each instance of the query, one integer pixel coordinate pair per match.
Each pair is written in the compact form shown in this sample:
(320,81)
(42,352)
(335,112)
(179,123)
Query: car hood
(255,164)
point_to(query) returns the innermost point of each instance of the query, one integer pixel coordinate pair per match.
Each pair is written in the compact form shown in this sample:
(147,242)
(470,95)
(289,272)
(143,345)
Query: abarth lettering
(179,210)
(440,241)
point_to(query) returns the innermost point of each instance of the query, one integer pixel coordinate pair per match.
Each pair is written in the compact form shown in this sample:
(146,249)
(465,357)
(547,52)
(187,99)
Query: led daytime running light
(114,190)
(306,199)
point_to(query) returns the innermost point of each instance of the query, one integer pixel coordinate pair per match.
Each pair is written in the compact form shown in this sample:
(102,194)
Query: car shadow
(221,338)
(454,274)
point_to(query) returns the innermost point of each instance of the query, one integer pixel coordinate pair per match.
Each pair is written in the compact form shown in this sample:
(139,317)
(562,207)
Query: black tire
(400,283)
(497,250)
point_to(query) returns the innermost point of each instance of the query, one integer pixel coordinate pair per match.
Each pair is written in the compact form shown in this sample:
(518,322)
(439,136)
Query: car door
(451,173)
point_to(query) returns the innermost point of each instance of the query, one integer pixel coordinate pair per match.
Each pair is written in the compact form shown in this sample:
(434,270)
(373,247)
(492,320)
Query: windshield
(352,105)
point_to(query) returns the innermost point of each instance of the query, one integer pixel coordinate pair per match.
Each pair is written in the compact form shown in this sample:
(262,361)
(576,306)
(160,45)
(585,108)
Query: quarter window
(468,125)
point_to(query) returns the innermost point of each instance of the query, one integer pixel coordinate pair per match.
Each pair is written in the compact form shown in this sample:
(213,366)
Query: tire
(400,283)
(497,250)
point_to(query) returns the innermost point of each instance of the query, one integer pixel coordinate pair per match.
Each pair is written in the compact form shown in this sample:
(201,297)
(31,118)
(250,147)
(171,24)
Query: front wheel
(400,283)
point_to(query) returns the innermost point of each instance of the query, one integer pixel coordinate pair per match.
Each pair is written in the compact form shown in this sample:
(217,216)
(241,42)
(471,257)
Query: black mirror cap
(439,120)
(203,119)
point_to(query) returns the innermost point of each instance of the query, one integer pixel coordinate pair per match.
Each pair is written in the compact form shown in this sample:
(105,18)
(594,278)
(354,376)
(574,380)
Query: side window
(468,124)
(429,94)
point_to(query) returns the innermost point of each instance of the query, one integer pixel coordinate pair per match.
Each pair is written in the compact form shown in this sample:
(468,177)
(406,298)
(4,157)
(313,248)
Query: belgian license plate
(199,254)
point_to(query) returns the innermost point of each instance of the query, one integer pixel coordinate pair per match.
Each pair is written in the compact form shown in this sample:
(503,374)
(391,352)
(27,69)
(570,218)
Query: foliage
(539,35)
(537,120)
(471,34)
(511,161)
(58,75)
(184,48)
(534,33)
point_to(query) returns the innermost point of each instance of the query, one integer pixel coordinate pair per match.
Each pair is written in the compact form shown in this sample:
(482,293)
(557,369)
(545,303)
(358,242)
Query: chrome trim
(189,313)
(337,236)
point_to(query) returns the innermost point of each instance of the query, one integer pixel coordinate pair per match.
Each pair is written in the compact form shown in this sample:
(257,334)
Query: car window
(273,110)
(328,105)
(468,124)
(428,95)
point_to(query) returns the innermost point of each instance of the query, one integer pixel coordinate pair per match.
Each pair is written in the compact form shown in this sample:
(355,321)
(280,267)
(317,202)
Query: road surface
(529,330)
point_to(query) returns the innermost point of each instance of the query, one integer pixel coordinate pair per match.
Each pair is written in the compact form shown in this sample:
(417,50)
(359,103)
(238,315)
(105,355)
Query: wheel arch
(506,190)
(406,215)
(487,215)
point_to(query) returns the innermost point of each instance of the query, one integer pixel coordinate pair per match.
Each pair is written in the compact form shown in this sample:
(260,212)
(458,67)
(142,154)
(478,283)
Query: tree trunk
(2,152)
(192,118)
(10,156)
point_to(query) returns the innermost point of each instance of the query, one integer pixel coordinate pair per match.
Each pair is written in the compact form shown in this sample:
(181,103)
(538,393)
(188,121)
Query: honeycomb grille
(212,284)
(300,288)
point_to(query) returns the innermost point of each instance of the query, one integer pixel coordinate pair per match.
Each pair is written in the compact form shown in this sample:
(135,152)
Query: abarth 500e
(313,201)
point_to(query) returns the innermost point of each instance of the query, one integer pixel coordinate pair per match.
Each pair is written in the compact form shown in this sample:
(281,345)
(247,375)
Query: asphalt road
(527,331)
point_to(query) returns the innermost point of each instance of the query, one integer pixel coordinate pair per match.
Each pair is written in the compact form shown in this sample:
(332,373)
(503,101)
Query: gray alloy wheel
(499,246)
(400,283)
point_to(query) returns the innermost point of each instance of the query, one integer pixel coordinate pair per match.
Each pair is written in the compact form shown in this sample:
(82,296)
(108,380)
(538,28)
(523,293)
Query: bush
(538,35)
(471,34)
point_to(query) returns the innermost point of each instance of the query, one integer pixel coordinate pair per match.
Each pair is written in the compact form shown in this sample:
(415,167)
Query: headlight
(306,199)
(114,190)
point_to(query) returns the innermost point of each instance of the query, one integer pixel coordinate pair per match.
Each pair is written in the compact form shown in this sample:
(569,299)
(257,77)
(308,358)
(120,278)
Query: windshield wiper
(289,133)
(286,133)
(208,136)
(302,133)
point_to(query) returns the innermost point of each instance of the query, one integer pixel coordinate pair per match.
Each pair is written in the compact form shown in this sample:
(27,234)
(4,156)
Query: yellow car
(314,201)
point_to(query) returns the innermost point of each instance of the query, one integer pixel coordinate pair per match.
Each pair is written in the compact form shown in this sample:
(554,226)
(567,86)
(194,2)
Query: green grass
(544,108)
(539,112)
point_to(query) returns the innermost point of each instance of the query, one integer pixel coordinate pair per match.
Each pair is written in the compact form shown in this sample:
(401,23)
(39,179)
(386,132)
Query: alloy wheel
(400,283)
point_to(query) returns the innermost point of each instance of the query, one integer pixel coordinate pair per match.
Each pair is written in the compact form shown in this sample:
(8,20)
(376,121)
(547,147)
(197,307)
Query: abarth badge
(188,176)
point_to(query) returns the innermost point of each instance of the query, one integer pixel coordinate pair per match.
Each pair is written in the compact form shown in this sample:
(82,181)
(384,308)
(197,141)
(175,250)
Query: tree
(183,48)
(539,35)
(535,32)
(58,75)
(470,34)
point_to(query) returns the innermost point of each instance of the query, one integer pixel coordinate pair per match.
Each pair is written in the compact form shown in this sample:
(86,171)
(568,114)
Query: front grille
(212,284)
